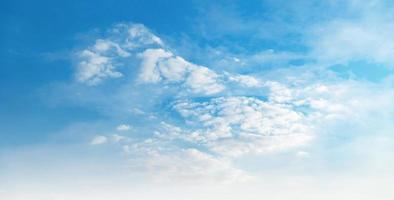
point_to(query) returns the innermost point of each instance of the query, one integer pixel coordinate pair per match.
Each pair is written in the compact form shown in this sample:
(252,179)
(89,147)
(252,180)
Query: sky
(190,99)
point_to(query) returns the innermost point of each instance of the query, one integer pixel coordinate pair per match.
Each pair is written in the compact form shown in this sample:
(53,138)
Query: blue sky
(211,99)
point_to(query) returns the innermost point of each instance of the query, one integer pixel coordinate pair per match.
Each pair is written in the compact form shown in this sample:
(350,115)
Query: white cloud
(137,35)
(155,66)
(100,61)
(104,46)
(203,80)
(103,59)
(291,116)
(99,139)
(244,80)
(123,127)
(160,159)
(342,41)
(94,67)
(161,65)
(238,125)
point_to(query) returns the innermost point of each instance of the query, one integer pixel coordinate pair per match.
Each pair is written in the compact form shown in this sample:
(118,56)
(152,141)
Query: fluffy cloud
(94,67)
(101,60)
(161,65)
(203,80)
(157,64)
(238,125)
(149,72)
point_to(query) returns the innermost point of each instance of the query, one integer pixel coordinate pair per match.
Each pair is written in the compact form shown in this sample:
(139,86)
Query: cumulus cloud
(101,60)
(157,64)
(161,65)
(238,125)
(203,80)
(94,67)
(150,57)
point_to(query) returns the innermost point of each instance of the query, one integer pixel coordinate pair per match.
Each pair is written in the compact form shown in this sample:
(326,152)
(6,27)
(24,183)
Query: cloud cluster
(237,125)
(157,64)
(101,60)
(210,118)
(226,127)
